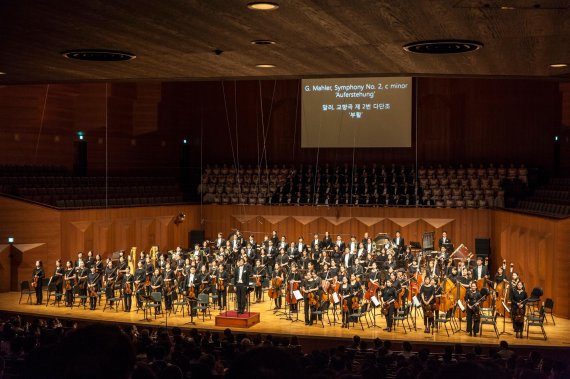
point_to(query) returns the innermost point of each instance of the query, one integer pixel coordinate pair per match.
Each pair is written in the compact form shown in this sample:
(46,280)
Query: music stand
(505,319)
(190,301)
(375,304)
(145,300)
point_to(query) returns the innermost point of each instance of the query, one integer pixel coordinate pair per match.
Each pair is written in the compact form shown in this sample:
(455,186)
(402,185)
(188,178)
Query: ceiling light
(262,42)
(559,65)
(98,55)
(443,47)
(263,6)
(2,73)
(507,8)
(264,65)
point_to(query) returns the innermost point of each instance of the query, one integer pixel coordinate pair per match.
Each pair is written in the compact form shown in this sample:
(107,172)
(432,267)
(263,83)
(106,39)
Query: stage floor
(277,325)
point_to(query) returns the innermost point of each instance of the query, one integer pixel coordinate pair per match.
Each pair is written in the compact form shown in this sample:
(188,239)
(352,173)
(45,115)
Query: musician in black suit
(140,277)
(444,240)
(38,275)
(480,271)
(220,241)
(339,242)
(241,281)
(399,243)
(348,258)
(316,243)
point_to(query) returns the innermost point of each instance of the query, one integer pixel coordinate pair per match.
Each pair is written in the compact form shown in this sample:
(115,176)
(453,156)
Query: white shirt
(240,274)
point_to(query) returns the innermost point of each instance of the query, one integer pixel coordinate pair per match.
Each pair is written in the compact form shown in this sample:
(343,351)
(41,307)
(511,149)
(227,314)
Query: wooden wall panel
(538,248)
(48,234)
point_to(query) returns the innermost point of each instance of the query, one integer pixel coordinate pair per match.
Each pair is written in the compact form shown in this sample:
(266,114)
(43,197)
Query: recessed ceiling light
(559,65)
(262,42)
(507,8)
(443,47)
(98,55)
(264,65)
(262,6)
(2,73)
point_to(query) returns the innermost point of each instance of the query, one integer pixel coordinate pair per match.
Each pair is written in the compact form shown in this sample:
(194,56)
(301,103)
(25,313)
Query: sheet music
(297,295)
(416,302)
(374,301)
(336,299)
(461,306)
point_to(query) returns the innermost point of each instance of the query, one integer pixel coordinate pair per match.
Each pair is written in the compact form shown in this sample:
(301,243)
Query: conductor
(241,280)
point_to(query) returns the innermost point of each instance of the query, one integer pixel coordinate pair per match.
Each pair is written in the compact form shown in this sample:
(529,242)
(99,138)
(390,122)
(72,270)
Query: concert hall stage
(277,325)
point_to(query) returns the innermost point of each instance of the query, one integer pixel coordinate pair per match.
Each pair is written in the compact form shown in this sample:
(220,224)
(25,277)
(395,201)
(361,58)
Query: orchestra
(381,271)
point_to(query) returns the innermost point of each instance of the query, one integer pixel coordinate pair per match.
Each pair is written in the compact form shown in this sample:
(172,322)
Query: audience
(50,349)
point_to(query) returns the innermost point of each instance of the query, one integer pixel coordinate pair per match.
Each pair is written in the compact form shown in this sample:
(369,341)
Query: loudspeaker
(483,247)
(80,158)
(196,236)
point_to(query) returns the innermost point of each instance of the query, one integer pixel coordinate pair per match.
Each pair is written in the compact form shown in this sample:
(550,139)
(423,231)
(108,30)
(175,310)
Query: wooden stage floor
(276,325)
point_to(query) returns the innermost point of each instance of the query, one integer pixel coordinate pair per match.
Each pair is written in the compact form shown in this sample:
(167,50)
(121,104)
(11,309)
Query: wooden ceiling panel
(175,40)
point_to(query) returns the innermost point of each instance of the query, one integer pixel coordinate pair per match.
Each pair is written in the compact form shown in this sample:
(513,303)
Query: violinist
(57,279)
(277,277)
(258,276)
(204,278)
(169,284)
(388,298)
(121,269)
(307,289)
(518,309)
(345,292)
(472,297)
(139,280)
(82,276)
(93,280)
(427,295)
(192,283)
(221,286)
(356,290)
(109,276)
(38,275)
(127,287)
(69,278)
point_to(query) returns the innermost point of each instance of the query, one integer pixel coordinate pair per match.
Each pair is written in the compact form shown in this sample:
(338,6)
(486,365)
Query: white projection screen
(356,112)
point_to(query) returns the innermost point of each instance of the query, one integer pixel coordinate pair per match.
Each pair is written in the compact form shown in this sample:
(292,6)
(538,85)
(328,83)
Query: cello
(274,290)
